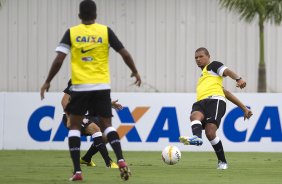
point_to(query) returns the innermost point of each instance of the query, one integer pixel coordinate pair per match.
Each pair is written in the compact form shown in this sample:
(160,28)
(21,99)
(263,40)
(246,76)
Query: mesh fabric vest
(89,54)
(209,84)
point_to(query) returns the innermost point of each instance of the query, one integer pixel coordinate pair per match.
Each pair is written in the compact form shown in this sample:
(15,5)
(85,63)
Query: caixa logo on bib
(165,125)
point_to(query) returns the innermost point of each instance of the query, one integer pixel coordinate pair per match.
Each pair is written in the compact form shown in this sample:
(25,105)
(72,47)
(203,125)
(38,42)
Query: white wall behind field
(161,35)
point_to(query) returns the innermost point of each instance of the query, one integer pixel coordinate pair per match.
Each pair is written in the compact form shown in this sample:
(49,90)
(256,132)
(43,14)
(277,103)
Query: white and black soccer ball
(171,155)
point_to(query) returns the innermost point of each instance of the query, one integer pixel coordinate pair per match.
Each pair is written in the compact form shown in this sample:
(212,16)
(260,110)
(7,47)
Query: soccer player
(211,103)
(89,128)
(89,44)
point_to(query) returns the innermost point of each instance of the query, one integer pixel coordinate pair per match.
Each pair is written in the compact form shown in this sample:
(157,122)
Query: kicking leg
(196,126)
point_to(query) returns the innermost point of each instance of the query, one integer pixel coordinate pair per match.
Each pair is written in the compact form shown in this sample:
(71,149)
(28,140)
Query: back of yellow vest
(89,54)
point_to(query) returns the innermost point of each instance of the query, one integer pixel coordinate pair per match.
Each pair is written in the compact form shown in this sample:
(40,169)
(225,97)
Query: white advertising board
(149,121)
(2,104)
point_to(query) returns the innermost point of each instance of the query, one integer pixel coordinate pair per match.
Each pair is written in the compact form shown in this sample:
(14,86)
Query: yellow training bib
(89,54)
(209,84)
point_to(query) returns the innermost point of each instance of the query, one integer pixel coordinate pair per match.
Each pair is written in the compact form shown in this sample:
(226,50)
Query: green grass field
(40,167)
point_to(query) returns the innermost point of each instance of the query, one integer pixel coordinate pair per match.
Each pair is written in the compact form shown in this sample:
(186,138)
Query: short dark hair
(87,10)
(203,49)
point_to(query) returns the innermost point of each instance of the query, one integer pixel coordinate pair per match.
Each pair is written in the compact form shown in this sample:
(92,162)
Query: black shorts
(97,101)
(213,110)
(86,122)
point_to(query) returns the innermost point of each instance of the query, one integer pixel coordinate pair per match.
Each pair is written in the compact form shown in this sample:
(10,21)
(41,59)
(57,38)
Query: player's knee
(93,128)
(210,134)
(74,126)
(192,117)
(196,115)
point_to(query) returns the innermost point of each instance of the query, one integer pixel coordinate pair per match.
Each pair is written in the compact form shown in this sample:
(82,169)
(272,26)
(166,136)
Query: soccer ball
(171,155)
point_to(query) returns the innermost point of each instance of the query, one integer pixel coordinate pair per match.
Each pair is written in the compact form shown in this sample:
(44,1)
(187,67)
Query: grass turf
(40,167)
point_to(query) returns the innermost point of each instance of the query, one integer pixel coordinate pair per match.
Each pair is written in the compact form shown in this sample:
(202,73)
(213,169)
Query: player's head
(202,57)
(87,10)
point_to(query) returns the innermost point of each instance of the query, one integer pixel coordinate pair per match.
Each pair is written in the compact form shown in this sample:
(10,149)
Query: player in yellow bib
(89,44)
(211,103)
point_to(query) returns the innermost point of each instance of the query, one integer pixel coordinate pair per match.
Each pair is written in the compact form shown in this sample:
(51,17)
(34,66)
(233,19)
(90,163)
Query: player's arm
(62,50)
(222,70)
(56,65)
(129,62)
(118,47)
(116,105)
(247,112)
(240,82)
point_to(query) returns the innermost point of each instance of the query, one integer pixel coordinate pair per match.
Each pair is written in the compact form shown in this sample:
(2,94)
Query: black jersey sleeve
(114,41)
(66,38)
(215,66)
(67,90)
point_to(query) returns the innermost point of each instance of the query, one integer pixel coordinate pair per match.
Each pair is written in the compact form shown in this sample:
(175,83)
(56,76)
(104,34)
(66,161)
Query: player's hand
(44,88)
(137,77)
(116,105)
(247,113)
(241,83)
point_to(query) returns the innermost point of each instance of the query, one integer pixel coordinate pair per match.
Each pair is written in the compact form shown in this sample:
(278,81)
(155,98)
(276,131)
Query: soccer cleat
(222,165)
(195,140)
(113,165)
(124,170)
(91,163)
(77,176)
